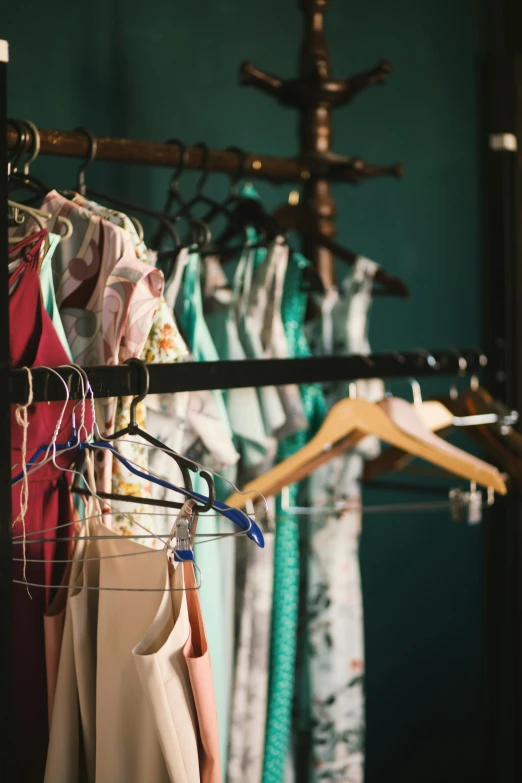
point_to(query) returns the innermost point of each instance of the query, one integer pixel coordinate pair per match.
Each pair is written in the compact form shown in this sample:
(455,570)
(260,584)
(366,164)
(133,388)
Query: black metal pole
(124,380)
(6,577)
(502,85)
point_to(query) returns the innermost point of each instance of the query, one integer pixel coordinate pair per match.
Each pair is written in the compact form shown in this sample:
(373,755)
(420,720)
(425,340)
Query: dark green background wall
(161,69)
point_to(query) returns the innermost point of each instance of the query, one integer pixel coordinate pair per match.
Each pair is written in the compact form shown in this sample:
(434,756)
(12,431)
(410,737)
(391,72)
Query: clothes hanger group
(178,546)
(487,422)
(300,218)
(86,190)
(205,503)
(240,213)
(237,221)
(395,422)
(20,178)
(25,181)
(81,442)
(243,213)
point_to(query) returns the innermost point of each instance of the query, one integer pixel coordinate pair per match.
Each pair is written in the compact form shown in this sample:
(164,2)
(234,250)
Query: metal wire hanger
(86,190)
(205,503)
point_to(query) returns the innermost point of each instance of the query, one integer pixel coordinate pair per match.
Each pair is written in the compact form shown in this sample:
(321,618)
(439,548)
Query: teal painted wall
(161,69)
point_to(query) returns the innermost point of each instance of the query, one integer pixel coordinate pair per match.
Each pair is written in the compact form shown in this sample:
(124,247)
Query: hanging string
(23,421)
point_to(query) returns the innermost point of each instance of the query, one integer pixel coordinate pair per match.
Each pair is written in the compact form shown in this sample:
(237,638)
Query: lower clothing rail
(121,380)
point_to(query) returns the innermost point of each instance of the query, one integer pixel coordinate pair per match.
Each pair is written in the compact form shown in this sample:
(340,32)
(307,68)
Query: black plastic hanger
(85,190)
(200,197)
(185,465)
(300,218)
(199,232)
(19,176)
(143,500)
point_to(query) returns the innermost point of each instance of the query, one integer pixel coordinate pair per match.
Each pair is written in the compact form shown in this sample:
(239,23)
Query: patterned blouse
(164,345)
(107,297)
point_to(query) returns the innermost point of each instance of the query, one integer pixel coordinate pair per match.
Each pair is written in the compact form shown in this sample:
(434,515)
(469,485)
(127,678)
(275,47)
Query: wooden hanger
(504,444)
(442,415)
(348,422)
(434,415)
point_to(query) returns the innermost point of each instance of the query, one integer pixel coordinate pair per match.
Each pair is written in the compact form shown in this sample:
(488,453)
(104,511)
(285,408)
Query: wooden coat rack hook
(315,93)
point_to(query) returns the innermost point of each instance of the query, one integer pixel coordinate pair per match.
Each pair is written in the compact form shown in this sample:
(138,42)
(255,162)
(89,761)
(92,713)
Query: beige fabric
(63,755)
(54,620)
(165,680)
(98,678)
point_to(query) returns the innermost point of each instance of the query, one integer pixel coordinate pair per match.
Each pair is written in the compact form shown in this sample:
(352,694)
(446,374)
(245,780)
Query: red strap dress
(34,343)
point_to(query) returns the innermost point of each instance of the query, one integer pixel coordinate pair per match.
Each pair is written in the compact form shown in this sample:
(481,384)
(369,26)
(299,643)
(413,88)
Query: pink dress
(200,672)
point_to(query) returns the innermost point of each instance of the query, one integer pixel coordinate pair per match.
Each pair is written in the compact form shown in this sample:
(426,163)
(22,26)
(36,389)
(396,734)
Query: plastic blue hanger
(183,555)
(236,516)
(233,514)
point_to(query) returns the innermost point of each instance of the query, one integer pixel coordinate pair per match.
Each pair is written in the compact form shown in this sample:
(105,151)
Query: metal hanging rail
(75,144)
(118,381)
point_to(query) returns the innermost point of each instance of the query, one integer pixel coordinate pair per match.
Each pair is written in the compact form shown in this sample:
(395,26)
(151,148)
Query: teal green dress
(250,312)
(243,407)
(48,295)
(287,544)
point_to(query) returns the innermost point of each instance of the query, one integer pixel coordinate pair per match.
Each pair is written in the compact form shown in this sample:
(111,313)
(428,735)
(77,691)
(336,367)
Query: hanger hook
(201,233)
(461,359)
(202,181)
(428,358)
(90,158)
(35,147)
(19,148)
(87,388)
(178,171)
(211,491)
(474,381)
(205,232)
(144,383)
(82,375)
(242,171)
(416,389)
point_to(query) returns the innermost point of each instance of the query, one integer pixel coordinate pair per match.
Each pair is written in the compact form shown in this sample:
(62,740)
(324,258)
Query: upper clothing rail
(77,144)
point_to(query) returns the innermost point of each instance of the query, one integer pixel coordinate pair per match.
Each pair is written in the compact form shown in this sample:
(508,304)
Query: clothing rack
(315,94)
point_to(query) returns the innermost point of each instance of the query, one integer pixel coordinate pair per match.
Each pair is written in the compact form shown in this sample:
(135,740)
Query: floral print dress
(334,606)
(262,312)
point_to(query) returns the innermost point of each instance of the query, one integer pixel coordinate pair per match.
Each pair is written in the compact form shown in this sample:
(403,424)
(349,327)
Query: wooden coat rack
(314,93)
